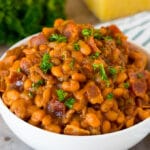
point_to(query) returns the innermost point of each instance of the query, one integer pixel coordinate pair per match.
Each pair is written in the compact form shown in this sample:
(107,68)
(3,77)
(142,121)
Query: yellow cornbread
(110,9)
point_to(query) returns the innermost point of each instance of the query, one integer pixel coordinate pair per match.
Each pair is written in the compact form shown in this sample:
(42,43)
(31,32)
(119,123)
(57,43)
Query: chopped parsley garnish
(107,38)
(109,96)
(76,46)
(139,75)
(69,102)
(86,32)
(46,65)
(98,35)
(58,38)
(30,94)
(118,41)
(72,64)
(102,72)
(61,94)
(37,84)
(112,71)
(95,55)
(126,85)
(101,69)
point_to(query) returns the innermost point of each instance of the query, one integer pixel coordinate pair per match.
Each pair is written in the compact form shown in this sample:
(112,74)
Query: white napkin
(136,27)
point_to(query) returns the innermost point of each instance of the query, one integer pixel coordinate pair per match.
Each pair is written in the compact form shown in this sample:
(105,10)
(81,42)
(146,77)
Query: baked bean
(143,114)
(27,84)
(84,48)
(47,120)
(57,71)
(121,118)
(10,96)
(37,117)
(92,120)
(107,105)
(122,76)
(111,115)
(106,126)
(129,122)
(53,128)
(19,107)
(78,77)
(70,86)
(118,92)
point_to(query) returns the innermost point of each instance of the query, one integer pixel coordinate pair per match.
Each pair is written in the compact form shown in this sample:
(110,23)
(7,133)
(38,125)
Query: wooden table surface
(78,11)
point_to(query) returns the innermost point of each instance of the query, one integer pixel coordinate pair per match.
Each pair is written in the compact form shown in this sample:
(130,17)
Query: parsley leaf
(112,71)
(139,75)
(37,84)
(118,41)
(61,94)
(69,102)
(46,65)
(109,96)
(98,36)
(107,38)
(30,94)
(101,69)
(126,85)
(95,55)
(102,72)
(76,46)
(71,65)
(86,32)
(58,38)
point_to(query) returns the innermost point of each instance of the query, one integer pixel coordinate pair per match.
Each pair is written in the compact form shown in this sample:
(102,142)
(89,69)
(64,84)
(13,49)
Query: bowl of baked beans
(72,86)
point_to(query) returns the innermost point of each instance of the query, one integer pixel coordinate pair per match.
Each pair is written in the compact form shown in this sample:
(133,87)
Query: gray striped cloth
(136,27)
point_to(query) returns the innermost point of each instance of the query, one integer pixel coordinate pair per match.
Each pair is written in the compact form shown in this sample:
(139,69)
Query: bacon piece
(91,42)
(56,108)
(37,40)
(138,83)
(25,65)
(15,80)
(93,93)
(70,30)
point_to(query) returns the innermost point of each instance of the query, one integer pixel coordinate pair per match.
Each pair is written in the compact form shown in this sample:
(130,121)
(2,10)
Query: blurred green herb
(61,94)
(86,32)
(76,46)
(109,96)
(58,38)
(69,102)
(45,63)
(19,19)
(126,85)
(37,84)
(95,55)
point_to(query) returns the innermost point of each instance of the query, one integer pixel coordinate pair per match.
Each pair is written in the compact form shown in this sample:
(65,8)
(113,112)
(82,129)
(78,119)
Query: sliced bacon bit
(74,130)
(71,31)
(37,40)
(15,80)
(114,29)
(93,93)
(56,108)
(25,65)
(138,85)
(92,44)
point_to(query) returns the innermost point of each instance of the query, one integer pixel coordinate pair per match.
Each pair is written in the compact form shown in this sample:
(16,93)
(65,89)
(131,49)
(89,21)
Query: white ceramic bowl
(43,140)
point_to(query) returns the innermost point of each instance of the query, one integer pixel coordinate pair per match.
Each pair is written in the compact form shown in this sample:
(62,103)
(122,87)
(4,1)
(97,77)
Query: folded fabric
(136,27)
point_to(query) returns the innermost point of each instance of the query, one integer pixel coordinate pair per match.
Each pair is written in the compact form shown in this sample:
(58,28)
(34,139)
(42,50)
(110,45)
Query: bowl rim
(24,42)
